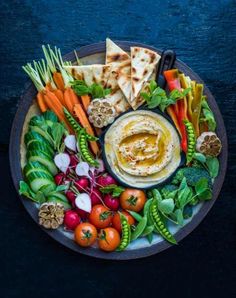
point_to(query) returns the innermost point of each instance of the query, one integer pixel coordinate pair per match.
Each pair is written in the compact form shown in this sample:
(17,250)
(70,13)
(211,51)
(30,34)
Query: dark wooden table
(203,33)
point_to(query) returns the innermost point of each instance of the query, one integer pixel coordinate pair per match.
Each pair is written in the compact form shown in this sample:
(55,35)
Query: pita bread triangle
(96,73)
(143,64)
(114,54)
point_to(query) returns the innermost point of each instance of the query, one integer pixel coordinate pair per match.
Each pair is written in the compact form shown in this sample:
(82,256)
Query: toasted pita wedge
(139,99)
(143,64)
(118,101)
(114,54)
(96,73)
(120,62)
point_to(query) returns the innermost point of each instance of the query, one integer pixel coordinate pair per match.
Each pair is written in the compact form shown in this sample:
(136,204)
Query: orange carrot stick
(85,101)
(41,102)
(59,94)
(55,105)
(49,87)
(80,113)
(58,79)
(71,99)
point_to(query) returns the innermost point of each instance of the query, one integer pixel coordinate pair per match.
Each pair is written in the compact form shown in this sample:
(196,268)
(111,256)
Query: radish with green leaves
(70,142)
(62,161)
(83,202)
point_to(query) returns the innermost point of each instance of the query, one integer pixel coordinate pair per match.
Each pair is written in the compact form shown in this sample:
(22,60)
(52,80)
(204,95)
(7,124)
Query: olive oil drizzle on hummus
(144,148)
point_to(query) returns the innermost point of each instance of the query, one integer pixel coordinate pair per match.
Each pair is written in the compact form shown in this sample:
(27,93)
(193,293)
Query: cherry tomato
(133,199)
(100,216)
(116,220)
(109,239)
(85,234)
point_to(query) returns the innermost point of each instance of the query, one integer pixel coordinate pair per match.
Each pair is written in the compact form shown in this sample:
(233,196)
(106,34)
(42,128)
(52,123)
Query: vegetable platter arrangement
(112,159)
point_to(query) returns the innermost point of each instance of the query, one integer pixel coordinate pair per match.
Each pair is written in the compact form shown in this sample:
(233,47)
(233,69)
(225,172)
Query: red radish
(83,202)
(67,180)
(70,142)
(95,196)
(82,169)
(83,214)
(59,178)
(105,180)
(71,219)
(70,196)
(81,184)
(111,202)
(101,167)
(73,161)
(62,161)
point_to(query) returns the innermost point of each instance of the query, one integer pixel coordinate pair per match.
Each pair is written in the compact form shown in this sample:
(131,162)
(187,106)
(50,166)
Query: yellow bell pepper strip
(186,83)
(173,82)
(203,125)
(196,107)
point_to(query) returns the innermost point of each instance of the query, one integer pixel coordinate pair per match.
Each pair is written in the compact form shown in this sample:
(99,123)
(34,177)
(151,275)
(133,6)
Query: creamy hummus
(142,148)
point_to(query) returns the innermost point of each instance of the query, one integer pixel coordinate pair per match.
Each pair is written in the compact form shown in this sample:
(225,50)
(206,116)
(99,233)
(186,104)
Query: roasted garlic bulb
(209,144)
(101,112)
(51,215)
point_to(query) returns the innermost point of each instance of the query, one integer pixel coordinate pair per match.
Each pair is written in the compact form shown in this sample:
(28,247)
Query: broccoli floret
(197,164)
(192,175)
(169,191)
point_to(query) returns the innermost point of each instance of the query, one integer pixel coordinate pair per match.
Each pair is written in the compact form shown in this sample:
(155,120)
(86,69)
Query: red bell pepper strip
(173,82)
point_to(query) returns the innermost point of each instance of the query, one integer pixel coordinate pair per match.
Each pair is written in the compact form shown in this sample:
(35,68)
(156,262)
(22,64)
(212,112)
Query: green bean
(139,228)
(191,141)
(126,233)
(159,224)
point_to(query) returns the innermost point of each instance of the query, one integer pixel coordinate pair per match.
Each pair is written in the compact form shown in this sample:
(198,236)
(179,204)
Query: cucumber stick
(38,179)
(35,167)
(44,159)
(30,136)
(57,197)
(39,145)
(43,133)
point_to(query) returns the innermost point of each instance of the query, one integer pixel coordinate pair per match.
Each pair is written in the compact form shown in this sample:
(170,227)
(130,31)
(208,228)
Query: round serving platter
(95,53)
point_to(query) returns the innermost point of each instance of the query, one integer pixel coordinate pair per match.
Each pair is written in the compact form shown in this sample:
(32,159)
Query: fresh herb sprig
(177,205)
(210,163)
(207,115)
(113,189)
(157,97)
(95,90)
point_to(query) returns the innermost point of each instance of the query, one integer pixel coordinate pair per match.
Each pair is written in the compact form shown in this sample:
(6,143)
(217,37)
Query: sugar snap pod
(159,224)
(126,233)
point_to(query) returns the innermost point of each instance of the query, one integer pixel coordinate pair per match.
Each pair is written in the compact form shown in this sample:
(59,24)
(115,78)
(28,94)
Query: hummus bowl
(95,54)
(141,148)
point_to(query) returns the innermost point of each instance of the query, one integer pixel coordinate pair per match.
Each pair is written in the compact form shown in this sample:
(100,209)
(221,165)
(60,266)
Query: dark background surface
(203,33)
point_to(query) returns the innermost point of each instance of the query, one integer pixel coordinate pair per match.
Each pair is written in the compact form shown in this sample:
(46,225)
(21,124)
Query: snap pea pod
(159,224)
(150,237)
(84,150)
(76,127)
(135,215)
(146,206)
(126,233)
(139,228)
(147,230)
(156,195)
(191,140)
(149,218)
